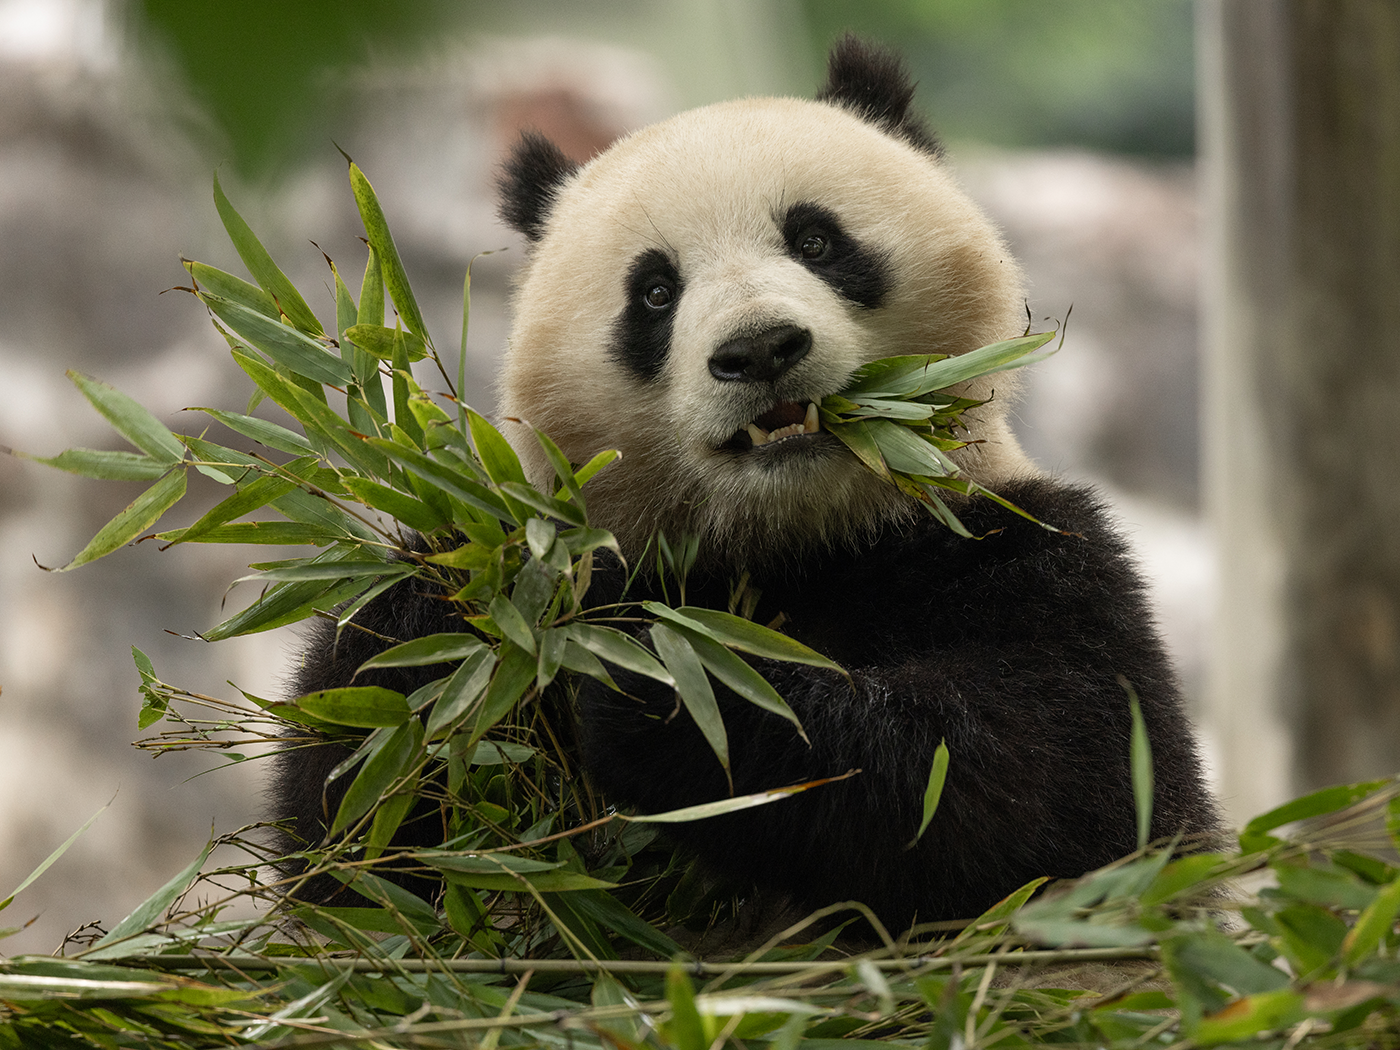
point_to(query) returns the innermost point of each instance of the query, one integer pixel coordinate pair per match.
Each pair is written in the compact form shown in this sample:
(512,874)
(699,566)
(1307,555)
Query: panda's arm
(1010,650)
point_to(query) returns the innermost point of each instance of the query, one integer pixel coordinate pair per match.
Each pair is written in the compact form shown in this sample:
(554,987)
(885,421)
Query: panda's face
(695,291)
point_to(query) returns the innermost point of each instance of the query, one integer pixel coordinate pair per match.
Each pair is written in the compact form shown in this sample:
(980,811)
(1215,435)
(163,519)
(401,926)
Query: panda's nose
(760,357)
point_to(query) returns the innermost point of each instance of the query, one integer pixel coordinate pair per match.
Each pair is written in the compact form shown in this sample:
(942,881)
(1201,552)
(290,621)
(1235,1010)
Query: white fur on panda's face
(731,261)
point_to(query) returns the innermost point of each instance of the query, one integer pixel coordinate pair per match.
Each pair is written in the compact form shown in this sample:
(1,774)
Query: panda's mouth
(785,421)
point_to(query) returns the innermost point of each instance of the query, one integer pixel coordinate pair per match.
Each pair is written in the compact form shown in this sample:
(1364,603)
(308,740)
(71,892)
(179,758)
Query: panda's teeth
(809,425)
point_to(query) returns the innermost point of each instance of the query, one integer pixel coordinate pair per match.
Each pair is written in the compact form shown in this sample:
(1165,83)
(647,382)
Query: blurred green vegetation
(1111,75)
(1114,75)
(265,70)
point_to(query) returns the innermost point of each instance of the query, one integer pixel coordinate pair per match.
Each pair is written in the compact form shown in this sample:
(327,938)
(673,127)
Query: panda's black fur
(1013,648)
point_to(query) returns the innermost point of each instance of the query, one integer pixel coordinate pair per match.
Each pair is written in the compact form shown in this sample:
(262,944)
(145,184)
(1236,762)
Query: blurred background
(1074,123)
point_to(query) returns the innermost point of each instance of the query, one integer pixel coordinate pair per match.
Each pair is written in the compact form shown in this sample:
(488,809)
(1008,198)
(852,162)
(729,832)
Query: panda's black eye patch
(642,332)
(855,271)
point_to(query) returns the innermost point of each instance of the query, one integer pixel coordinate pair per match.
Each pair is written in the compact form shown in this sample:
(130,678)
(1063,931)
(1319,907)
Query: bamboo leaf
(382,241)
(608,911)
(263,432)
(581,661)
(496,455)
(377,340)
(402,386)
(581,541)
(545,882)
(1140,754)
(462,690)
(1212,955)
(130,419)
(937,774)
(284,344)
(486,863)
(586,472)
(346,314)
(907,453)
(896,410)
(283,604)
(511,623)
(277,533)
(105,465)
(918,374)
(1317,804)
(233,288)
(261,266)
(553,642)
(49,860)
(694,687)
(745,635)
(426,651)
(1374,923)
(739,676)
(685,1029)
(255,494)
(345,614)
(857,437)
(149,910)
(391,761)
(371,310)
(539,536)
(618,648)
(563,469)
(1001,910)
(314,415)
(138,516)
(530,497)
(357,568)
(361,706)
(450,480)
(399,505)
(515,673)
(1253,1015)
(316,510)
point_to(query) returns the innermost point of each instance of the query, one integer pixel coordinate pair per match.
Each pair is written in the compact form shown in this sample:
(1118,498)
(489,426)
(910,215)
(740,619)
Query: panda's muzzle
(763,357)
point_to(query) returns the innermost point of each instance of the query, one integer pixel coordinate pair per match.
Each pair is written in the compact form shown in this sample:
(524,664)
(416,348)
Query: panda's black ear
(873,83)
(530,181)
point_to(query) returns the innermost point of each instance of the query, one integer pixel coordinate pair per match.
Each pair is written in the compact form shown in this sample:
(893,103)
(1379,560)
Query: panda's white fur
(709,188)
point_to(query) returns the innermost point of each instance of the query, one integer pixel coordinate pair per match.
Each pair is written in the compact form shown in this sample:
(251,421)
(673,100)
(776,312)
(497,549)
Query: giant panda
(688,294)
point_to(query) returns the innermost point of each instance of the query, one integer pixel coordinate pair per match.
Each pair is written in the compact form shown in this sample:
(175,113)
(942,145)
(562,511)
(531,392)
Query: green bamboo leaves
(933,791)
(900,419)
(365,455)
(266,272)
(160,457)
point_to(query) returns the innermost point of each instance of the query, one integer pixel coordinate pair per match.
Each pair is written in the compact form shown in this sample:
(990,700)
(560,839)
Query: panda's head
(691,291)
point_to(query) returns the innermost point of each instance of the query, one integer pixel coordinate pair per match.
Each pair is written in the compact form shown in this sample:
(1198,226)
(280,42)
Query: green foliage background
(1115,75)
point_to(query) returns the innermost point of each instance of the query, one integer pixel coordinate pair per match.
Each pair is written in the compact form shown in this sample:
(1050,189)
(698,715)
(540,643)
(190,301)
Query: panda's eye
(814,246)
(658,296)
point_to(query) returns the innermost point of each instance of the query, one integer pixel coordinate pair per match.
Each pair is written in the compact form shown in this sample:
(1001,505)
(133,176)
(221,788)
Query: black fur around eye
(855,271)
(642,332)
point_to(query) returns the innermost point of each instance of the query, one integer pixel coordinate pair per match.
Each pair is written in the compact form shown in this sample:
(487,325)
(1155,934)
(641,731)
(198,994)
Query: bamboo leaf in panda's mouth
(900,419)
